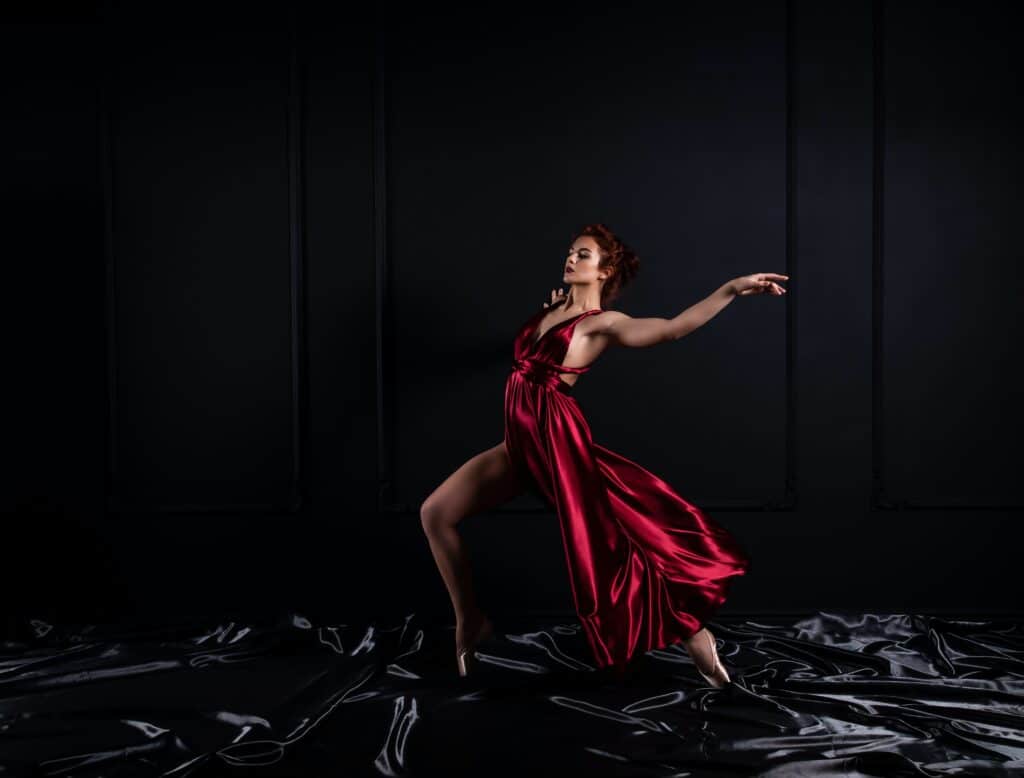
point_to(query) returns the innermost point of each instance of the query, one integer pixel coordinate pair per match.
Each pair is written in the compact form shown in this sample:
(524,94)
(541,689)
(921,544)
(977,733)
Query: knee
(431,516)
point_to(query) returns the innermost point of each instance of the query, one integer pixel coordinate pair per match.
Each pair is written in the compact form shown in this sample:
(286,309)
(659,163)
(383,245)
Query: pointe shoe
(717,683)
(462,654)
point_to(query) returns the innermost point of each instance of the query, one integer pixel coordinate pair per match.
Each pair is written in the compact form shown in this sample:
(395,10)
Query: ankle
(470,618)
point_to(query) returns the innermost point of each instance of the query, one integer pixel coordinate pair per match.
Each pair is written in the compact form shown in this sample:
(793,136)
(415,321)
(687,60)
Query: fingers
(555,296)
(766,285)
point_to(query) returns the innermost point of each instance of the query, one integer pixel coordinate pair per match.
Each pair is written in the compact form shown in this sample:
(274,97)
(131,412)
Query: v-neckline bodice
(534,342)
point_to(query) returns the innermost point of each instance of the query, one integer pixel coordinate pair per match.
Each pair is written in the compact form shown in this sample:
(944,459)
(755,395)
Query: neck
(586,299)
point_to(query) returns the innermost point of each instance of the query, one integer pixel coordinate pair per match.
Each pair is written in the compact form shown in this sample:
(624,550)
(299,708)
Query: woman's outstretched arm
(623,330)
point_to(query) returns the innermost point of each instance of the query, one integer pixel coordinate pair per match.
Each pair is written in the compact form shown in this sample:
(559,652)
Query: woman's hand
(555,297)
(758,283)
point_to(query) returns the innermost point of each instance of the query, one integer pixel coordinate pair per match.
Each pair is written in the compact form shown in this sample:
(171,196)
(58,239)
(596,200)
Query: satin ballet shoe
(462,654)
(717,683)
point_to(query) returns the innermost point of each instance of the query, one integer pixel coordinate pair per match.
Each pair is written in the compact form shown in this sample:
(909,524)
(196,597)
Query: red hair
(616,255)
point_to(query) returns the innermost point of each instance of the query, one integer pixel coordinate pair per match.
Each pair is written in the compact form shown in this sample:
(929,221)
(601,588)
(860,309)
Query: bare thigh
(479,484)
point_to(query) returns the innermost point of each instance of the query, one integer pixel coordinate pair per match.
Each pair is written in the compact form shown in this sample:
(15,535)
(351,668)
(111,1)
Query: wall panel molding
(296,500)
(882,498)
(387,478)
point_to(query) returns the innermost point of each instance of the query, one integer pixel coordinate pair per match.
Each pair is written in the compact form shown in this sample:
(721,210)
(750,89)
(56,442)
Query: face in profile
(581,266)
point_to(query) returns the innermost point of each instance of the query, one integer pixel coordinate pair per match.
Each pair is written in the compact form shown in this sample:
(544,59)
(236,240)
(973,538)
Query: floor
(829,693)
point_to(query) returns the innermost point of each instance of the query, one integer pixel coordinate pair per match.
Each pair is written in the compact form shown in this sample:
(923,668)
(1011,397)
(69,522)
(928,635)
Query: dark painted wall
(267,270)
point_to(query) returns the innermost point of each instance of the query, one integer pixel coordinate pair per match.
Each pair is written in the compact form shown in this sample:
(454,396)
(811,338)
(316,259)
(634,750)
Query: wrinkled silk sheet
(829,694)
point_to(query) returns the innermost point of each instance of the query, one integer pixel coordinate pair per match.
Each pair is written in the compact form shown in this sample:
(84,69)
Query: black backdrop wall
(267,266)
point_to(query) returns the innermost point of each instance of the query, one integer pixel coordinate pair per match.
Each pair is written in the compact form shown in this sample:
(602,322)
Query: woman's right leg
(479,484)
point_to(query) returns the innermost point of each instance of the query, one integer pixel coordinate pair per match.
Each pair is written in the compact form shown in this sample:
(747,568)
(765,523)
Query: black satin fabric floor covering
(828,694)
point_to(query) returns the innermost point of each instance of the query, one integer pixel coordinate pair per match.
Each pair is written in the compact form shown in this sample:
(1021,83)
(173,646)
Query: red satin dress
(646,567)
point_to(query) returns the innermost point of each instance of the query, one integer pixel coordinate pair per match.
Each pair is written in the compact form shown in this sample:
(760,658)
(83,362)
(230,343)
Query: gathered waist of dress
(544,373)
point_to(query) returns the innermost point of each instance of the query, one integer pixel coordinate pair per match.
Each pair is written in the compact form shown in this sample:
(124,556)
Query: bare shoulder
(602,323)
(598,331)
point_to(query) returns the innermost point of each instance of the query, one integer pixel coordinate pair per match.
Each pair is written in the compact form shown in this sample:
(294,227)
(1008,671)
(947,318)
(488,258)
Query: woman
(647,568)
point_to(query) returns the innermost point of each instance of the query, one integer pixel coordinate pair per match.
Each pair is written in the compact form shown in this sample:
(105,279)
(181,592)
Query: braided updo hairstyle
(615,254)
